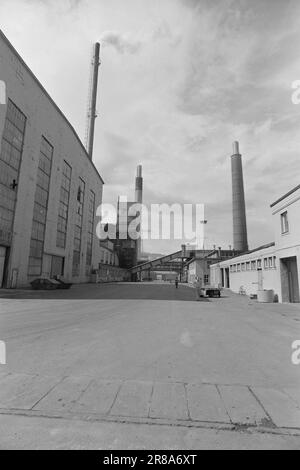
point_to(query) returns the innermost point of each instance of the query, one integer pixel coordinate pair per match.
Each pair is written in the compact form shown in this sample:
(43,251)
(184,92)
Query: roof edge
(285,196)
(9,44)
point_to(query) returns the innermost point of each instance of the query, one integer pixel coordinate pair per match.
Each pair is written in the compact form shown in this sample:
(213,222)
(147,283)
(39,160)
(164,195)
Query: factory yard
(131,366)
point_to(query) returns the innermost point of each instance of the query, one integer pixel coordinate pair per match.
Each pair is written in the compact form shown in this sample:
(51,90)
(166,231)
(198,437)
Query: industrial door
(289,280)
(2,263)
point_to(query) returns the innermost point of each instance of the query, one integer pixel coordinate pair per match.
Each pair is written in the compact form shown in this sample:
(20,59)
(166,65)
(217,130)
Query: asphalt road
(125,371)
(145,290)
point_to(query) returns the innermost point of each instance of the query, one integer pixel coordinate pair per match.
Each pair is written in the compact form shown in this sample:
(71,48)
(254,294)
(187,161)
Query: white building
(286,221)
(271,267)
(49,188)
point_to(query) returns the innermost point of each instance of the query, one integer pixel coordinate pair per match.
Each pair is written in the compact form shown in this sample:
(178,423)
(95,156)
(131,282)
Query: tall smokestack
(139,199)
(240,241)
(93,102)
(139,185)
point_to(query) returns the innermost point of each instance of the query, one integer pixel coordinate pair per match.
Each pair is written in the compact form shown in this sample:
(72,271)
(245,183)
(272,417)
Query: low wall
(107,273)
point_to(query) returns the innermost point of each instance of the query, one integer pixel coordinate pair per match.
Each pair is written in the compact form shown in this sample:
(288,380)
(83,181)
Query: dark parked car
(63,284)
(44,283)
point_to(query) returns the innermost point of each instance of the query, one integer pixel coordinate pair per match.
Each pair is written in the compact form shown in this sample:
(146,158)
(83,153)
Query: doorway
(57,266)
(289,279)
(2,264)
(227,278)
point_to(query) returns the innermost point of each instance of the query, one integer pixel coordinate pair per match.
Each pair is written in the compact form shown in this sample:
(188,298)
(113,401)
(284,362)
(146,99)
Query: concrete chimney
(139,199)
(240,241)
(139,185)
(93,100)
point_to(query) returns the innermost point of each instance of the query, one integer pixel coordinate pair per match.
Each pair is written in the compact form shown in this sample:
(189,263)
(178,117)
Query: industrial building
(49,185)
(272,268)
(198,266)
(128,237)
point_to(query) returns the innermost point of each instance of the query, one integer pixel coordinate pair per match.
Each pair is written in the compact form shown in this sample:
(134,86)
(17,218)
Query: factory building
(274,267)
(49,187)
(198,266)
(128,244)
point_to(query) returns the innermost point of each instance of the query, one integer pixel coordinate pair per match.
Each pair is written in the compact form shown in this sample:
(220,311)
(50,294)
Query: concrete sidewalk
(185,404)
(220,370)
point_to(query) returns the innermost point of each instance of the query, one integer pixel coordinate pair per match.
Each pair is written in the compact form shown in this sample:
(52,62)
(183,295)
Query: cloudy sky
(180,80)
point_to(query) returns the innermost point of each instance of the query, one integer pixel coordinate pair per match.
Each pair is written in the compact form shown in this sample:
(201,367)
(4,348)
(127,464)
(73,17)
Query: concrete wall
(108,273)
(249,277)
(198,268)
(44,119)
(287,244)
(286,252)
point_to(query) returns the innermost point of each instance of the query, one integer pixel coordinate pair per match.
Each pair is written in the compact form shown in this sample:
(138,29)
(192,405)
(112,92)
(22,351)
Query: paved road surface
(138,373)
(146,291)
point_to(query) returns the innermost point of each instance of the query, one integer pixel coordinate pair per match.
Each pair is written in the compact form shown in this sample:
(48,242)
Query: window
(284,222)
(259,264)
(266,264)
(270,262)
(10,161)
(78,228)
(243,267)
(248,266)
(40,209)
(91,215)
(253,265)
(238,268)
(63,209)
(274,262)
(206,278)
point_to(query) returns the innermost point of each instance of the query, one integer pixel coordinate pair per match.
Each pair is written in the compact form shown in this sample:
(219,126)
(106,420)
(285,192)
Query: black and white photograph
(149,228)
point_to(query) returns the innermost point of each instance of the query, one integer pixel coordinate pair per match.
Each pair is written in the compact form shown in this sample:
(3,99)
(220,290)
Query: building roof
(262,247)
(285,195)
(11,47)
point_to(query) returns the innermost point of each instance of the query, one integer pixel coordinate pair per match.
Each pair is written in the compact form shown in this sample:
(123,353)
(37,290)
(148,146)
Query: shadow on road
(108,291)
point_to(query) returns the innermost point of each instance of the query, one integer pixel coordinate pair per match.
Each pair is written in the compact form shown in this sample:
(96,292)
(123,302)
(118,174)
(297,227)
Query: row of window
(107,257)
(40,209)
(63,207)
(78,228)
(91,216)
(10,160)
(266,263)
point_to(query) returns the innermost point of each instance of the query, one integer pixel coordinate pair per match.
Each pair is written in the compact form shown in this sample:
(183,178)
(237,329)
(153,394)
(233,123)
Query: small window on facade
(238,267)
(266,264)
(248,266)
(270,263)
(253,265)
(284,222)
(206,278)
(259,264)
(274,262)
(243,267)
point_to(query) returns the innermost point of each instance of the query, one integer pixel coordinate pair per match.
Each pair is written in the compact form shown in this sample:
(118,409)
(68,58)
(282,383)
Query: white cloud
(189,77)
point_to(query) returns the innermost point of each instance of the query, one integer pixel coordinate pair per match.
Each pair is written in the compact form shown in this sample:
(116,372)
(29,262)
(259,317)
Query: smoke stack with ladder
(92,114)
(139,200)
